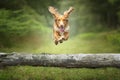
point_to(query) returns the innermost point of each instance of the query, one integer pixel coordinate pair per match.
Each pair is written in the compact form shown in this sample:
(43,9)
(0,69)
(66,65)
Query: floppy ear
(67,13)
(53,11)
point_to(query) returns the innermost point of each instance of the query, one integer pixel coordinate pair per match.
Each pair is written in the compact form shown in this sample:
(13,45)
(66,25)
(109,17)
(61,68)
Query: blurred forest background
(26,26)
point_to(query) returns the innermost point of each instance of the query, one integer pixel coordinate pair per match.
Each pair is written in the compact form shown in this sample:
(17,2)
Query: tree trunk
(61,60)
(112,20)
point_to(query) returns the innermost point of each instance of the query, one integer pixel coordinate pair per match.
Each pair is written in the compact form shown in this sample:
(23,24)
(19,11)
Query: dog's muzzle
(62,28)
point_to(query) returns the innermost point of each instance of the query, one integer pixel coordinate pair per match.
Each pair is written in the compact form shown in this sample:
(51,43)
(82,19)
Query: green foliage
(17,24)
(96,15)
(12,5)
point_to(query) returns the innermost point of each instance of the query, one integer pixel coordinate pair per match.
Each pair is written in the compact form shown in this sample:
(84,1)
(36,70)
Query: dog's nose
(62,26)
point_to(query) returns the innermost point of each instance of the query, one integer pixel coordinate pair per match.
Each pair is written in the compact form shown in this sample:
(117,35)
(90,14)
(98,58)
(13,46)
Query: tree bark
(61,60)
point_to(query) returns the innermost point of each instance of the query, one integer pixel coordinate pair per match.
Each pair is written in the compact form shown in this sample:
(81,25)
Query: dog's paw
(56,42)
(61,41)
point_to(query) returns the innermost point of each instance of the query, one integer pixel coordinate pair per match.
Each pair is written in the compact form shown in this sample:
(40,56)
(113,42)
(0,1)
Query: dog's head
(60,20)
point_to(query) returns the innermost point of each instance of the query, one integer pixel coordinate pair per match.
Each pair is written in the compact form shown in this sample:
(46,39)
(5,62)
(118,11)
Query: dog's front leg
(56,37)
(66,35)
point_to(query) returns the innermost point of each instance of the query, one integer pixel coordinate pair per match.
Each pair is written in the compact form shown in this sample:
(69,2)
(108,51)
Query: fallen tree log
(61,60)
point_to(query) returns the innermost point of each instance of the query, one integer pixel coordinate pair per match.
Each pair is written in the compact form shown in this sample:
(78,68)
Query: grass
(105,42)
(50,73)
(83,43)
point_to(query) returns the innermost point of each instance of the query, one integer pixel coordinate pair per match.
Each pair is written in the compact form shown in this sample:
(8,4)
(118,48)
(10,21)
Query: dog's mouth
(62,29)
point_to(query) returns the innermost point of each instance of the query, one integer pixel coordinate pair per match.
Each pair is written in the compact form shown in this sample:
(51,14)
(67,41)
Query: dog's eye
(65,20)
(58,20)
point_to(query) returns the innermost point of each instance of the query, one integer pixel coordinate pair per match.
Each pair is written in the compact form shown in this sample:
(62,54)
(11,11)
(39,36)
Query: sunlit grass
(83,43)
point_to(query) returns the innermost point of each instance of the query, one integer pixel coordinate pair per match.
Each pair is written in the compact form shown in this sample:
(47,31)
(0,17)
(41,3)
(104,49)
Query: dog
(60,26)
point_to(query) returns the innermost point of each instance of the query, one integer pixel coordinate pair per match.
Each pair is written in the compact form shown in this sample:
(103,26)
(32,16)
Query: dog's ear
(67,13)
(53,11)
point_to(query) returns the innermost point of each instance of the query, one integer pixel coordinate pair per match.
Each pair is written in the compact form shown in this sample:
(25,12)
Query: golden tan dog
(60,27)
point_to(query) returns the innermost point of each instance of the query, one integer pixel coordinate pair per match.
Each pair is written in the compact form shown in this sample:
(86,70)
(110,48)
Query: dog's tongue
(62,29)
